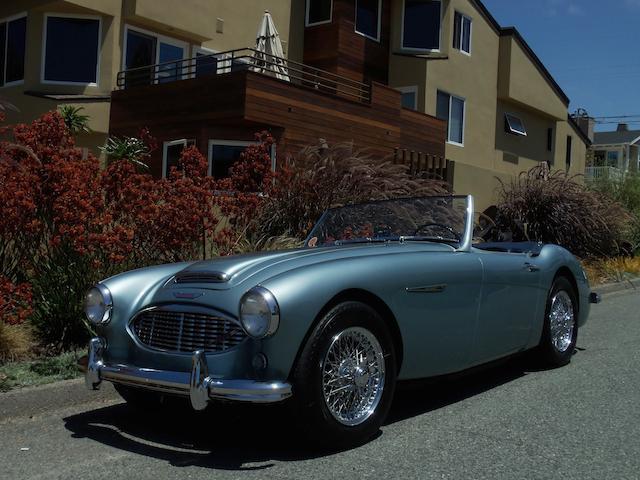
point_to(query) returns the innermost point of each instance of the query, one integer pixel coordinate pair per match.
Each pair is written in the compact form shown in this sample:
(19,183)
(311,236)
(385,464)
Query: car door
(437,302)
(509,304)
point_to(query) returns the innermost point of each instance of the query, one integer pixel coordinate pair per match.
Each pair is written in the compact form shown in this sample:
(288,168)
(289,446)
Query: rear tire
(560,330)
(345,378)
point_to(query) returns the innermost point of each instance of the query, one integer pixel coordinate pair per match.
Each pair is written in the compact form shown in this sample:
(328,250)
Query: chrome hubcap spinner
(353,373)
(561,321)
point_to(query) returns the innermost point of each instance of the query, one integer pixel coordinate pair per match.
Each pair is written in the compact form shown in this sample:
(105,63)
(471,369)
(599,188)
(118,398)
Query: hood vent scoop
(201,277)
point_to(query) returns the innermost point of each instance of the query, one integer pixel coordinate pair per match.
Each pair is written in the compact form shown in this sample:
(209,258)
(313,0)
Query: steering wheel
(455,234)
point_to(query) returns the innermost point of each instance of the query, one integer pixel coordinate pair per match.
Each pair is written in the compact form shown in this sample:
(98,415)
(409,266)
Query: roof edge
(513,31)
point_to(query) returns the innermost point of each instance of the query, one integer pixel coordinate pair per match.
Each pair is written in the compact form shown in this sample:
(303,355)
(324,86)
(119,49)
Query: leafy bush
(558,209)
(75,121)
(627,192)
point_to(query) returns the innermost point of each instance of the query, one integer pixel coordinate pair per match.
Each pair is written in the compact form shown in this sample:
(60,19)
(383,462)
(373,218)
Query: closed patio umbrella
(269,58)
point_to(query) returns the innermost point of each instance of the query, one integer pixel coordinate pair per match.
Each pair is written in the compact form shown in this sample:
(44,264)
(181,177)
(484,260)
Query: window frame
(463,16)
(6,21)
(464,117)
(170,143)
(510,129)
(46,17)
(410,89)
(323,22)
(159,37)
(379,26)
(414,49)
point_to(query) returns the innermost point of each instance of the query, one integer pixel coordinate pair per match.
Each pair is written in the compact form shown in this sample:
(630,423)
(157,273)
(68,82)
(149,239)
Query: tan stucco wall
(521,81)
(497,77)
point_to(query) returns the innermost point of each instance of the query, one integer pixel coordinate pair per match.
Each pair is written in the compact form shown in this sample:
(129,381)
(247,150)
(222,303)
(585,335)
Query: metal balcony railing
(246,59)
(603,172)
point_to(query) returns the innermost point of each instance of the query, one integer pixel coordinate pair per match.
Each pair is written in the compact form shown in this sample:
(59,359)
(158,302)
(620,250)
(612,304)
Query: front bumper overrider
(198,385)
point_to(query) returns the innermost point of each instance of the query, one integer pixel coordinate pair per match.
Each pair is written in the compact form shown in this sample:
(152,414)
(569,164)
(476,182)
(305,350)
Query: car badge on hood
(187,295)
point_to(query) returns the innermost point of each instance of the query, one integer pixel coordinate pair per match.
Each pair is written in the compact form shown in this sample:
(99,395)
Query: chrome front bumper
(198,385)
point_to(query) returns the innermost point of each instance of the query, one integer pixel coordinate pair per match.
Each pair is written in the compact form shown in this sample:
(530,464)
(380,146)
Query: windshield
(441,219)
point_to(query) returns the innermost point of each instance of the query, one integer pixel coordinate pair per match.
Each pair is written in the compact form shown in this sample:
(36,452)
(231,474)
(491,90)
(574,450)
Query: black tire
(315,420)
(547,353)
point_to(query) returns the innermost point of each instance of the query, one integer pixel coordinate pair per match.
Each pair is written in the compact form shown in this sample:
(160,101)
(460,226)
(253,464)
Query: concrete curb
(627,284)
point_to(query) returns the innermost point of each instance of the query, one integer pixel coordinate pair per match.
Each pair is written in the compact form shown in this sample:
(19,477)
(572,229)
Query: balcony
(231,95)
(595,174)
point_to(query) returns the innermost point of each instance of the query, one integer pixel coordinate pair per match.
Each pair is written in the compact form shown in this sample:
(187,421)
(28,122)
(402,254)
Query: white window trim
(159,38)
(414,49)
(324,22)
(410,89)
(355,26)
(461,49)
(513,131)
(6,20)
(165,148)
(44,49)
(464,118)
(235,143)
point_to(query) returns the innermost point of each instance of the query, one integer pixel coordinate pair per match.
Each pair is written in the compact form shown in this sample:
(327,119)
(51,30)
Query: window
(569,145)
(72,47)
(549,139)
(171,152)
(318,12)
(421,25)
(223,154)
(462,33)
(612,159)
(409,97)
(514,125)
(368,18)
(13,36)
(144,49)
(451,109)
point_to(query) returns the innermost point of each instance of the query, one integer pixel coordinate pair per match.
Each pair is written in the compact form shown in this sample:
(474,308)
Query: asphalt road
(581,421)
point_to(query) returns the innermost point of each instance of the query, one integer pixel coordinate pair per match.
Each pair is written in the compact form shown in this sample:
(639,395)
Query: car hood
(226,272)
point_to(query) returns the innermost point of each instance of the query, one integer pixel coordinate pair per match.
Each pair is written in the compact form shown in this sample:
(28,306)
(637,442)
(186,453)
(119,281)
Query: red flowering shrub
(15,302)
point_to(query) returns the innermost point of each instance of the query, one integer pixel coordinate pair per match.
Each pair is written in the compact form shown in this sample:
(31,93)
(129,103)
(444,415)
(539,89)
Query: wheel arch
(370,299)
(566,272)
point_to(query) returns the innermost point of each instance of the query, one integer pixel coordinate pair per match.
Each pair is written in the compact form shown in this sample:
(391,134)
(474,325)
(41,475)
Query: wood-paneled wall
(235,106)
(337,47)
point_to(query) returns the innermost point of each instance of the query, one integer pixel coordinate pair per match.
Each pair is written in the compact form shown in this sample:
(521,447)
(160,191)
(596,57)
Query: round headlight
(259,313)
(98,305)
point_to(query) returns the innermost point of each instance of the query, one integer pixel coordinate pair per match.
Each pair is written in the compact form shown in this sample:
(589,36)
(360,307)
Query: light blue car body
(447,310)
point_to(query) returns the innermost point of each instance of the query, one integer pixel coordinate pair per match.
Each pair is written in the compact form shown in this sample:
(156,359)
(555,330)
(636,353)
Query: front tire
(560,330)
(345,378)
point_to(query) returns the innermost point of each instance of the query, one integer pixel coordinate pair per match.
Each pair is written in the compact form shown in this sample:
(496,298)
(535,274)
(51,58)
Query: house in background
(615,153)
(419,80)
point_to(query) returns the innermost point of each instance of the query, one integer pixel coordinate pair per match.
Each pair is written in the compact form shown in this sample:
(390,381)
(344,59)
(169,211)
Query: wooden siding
(235,106)
(337,47)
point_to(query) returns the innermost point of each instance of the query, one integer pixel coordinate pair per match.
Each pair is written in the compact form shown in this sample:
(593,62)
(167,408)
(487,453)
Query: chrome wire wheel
(353,373)
(561,321)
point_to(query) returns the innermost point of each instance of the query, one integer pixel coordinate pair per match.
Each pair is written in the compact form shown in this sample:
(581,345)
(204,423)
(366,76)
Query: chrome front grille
(181,332)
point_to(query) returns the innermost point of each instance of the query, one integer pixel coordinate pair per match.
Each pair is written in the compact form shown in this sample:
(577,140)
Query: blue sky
(591,47)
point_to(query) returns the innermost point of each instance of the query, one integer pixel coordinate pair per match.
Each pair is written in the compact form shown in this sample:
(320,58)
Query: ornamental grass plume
(558,209)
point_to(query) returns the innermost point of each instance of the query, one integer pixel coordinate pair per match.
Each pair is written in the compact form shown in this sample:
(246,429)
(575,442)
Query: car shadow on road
(254,437)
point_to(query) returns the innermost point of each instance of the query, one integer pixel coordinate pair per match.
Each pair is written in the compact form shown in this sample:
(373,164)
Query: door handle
(531,267)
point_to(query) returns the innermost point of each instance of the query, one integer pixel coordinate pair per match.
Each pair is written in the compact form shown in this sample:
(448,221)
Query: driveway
(581,421)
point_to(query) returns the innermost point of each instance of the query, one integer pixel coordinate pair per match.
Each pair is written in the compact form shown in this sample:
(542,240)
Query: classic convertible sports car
(380,292)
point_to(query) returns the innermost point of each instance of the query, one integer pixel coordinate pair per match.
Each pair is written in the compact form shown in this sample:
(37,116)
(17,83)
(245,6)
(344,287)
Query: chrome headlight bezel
(101,313)
(268,315)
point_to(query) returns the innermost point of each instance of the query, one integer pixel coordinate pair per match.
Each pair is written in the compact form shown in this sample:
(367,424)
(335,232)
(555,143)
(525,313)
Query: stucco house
(438,83)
